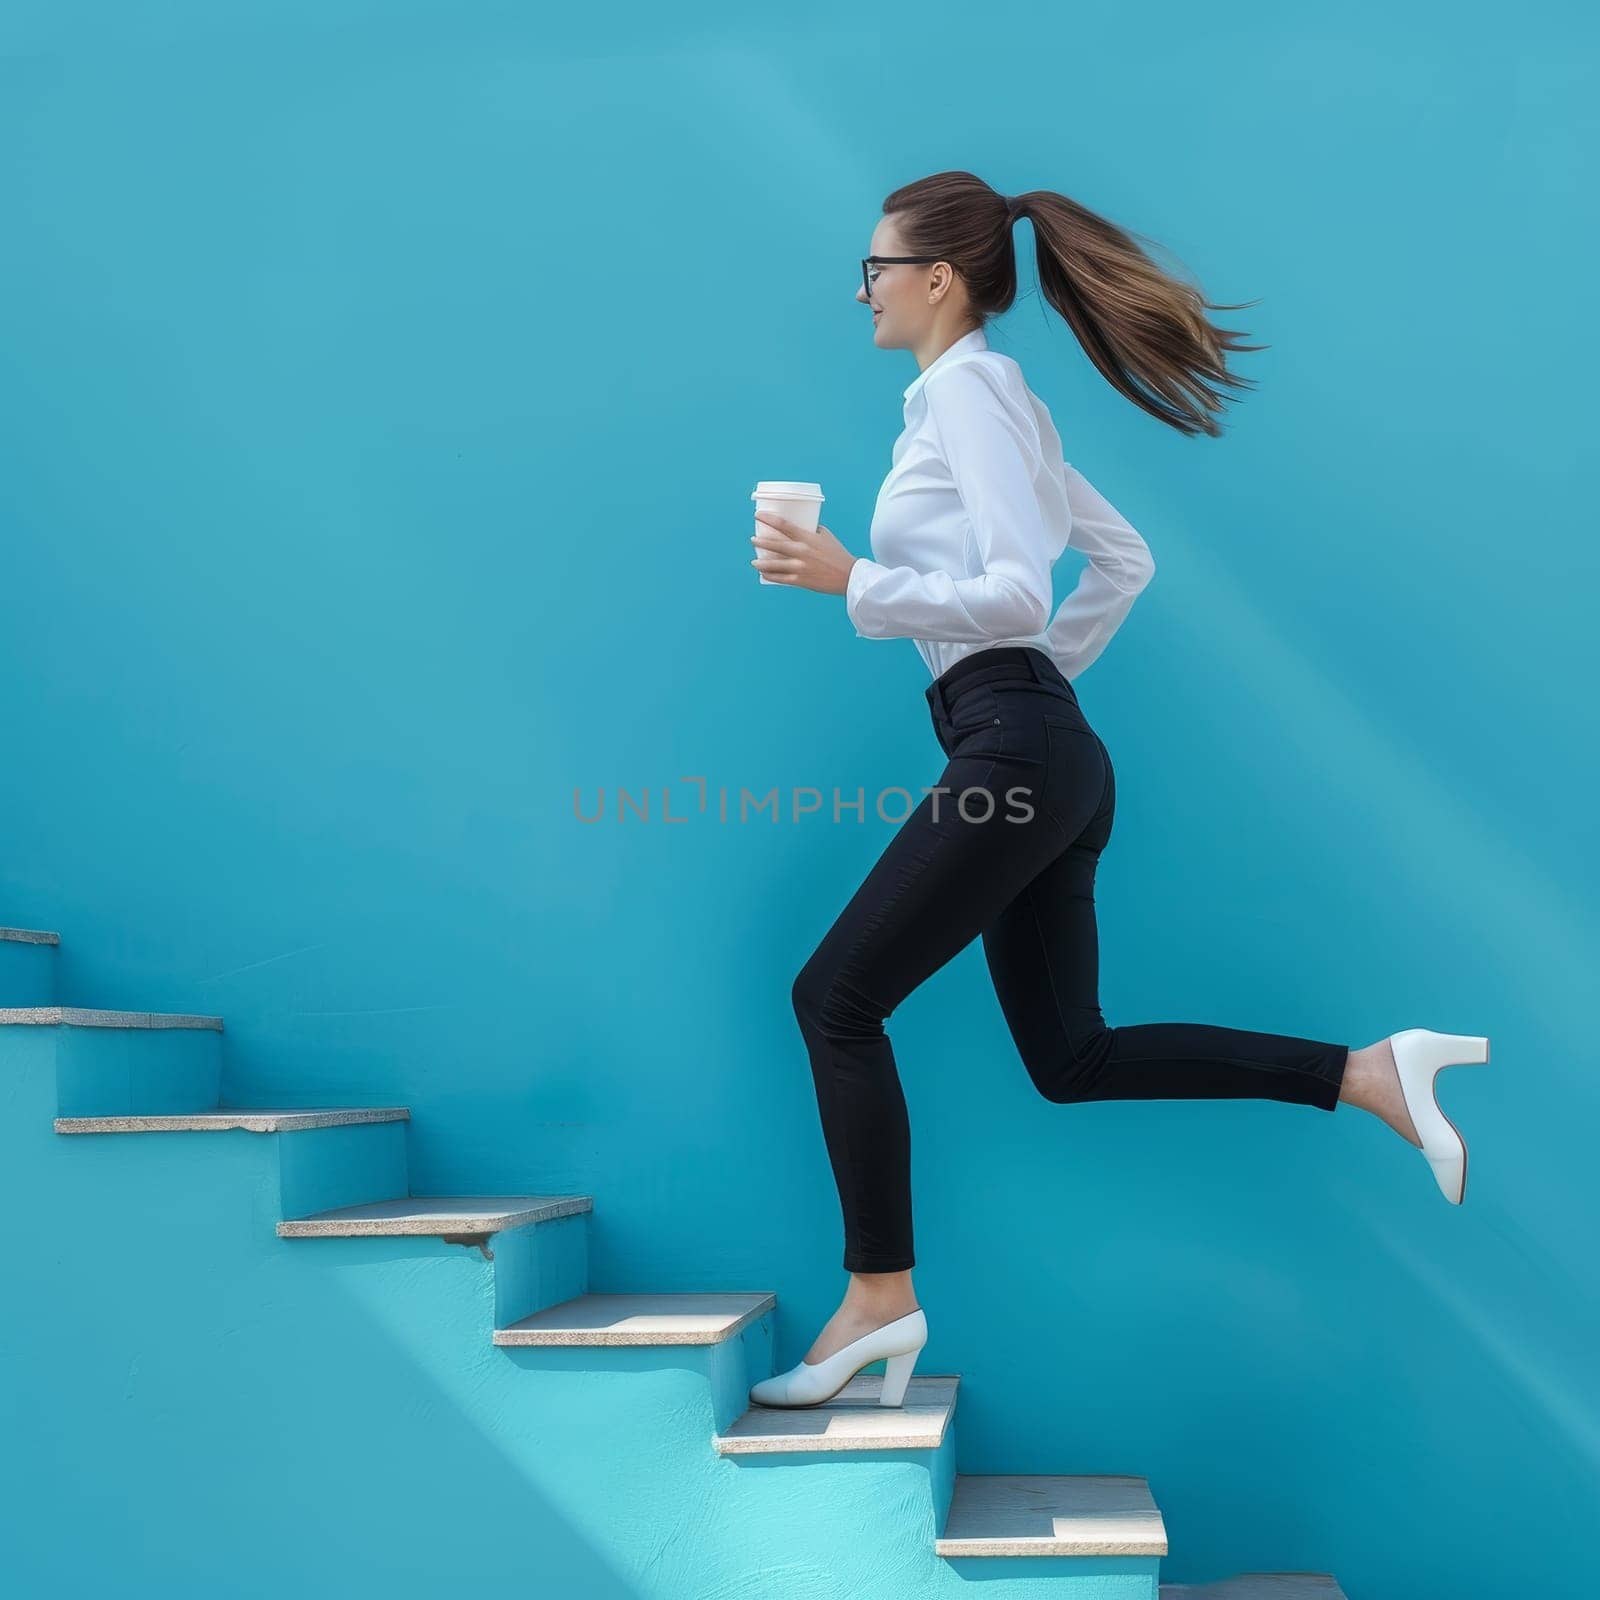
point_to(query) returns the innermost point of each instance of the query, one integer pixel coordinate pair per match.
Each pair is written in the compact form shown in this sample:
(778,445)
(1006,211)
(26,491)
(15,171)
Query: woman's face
(899,299)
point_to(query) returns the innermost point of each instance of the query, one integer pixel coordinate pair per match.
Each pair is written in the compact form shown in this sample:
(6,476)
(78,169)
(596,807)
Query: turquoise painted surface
(327,587)
(28,971)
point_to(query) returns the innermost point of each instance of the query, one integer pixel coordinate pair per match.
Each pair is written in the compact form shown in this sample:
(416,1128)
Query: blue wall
(385,386)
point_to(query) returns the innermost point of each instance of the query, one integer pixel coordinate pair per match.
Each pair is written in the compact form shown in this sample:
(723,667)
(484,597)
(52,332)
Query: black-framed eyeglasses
(868,277)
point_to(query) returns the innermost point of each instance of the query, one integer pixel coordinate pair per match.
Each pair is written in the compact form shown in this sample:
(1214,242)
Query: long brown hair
(1145,328)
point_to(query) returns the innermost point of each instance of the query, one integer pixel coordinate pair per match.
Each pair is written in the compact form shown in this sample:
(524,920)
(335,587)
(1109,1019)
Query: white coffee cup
(799,502)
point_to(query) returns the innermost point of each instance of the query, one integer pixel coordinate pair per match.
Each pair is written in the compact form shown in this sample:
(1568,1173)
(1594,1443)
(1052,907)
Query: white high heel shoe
(808,1384)
(1418,1055)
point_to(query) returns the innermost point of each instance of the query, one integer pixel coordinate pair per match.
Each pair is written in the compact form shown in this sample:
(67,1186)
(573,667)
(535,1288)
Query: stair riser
(281,1174)
(538,1266)
(109,1072)
(881,1509)
(944,1478)
(322,1168)
(29,973)
(524,1269)
(738,1362)
(1061,1577)
(106,1072)
(726,1368)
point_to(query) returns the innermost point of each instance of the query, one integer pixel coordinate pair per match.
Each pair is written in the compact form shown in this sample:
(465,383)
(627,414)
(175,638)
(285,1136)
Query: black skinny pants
(1004,846)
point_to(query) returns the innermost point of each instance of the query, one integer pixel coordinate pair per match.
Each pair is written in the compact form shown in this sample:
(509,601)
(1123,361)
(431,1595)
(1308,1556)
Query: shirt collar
(976,340)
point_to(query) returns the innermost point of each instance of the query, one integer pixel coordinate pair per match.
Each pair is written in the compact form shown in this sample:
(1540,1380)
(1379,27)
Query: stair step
(119,1063)
(1259,1586)
(852,1420)
(635,1319)
(251,1119)
(29,936)
(435,1215)
(1004,1514)
(79,1017)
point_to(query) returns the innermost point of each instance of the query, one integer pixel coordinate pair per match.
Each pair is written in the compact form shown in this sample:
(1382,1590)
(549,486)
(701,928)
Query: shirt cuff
(863,575)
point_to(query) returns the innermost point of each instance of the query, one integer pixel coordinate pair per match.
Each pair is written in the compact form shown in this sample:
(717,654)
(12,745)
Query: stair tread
(254,1119)
(1260,1586)
(852,1420)
(435,1214)
(640,1319)
(84,1017)
(30,936)
(1011,1514)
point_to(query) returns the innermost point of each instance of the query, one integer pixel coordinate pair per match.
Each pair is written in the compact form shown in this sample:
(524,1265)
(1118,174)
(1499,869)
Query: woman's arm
(1120,565)
(992,464)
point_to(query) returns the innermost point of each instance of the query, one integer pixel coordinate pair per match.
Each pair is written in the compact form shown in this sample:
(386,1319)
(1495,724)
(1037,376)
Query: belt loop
(1031,656)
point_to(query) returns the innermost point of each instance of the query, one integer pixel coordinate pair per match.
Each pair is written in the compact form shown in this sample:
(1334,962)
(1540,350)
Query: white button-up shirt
(976,509)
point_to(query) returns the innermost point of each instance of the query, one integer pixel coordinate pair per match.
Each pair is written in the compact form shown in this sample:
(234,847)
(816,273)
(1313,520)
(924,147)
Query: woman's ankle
(1360,1085)
(880,1291)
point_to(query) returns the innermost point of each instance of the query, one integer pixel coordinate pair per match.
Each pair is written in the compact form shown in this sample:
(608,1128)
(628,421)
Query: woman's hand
(786,552)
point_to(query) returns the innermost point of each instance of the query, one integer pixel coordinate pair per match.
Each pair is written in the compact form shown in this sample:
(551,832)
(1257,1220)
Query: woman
(977,506)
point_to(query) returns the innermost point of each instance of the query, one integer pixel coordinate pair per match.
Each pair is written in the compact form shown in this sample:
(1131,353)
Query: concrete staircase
(340,1173)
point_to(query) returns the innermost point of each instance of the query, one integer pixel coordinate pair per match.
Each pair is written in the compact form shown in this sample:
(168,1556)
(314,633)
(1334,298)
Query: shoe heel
(1420,1054)
(896,1375)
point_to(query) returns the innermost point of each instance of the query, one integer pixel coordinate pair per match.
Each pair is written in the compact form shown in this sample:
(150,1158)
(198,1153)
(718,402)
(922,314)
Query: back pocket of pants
(1076,761)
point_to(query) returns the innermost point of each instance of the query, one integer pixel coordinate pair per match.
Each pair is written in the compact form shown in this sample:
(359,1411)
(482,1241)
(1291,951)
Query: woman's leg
(1043,955)
(944,877)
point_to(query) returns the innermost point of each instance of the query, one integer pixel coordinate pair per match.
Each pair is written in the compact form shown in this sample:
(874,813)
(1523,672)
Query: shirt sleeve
(1119,566)
(993,463)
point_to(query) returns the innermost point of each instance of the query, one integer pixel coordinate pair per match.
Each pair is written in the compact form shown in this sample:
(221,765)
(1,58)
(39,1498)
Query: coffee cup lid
(787,489)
